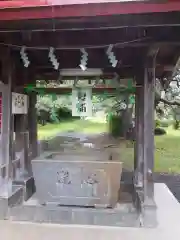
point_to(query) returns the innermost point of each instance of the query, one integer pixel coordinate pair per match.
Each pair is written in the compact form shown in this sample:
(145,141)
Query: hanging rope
(117,44)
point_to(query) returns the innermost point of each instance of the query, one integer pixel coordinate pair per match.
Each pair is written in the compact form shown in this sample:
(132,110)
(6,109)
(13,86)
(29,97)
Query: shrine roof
(38,9)
(131,26)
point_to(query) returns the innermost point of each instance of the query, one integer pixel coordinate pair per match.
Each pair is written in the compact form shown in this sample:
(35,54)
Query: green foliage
(176,124)
(54,116)
(157,123)
(53,110)
(115,125)
(159,131)
(164,123)
(44,106)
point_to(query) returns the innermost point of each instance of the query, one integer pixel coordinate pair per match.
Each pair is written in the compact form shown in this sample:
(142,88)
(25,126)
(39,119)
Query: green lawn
(50,130)
(167,154)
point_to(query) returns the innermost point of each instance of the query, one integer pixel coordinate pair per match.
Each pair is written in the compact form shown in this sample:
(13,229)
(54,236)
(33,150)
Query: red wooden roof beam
(39,9)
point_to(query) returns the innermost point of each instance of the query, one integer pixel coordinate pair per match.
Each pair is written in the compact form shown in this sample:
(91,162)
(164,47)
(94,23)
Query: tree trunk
(127,117)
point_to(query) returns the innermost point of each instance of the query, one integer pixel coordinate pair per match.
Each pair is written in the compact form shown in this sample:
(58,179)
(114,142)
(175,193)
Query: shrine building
(74,40)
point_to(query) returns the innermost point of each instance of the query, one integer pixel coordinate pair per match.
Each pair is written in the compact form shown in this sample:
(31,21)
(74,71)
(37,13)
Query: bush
(165,123)
(176,124)
(64,113)
(157,123)
(159,131)
(44,106)
(54,111)
(115,125)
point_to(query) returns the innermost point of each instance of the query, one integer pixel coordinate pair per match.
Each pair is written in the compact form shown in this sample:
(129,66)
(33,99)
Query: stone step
(13,198)
(124,216)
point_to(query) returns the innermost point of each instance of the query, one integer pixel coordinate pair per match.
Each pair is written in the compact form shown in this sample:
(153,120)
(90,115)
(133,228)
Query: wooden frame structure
(146,42)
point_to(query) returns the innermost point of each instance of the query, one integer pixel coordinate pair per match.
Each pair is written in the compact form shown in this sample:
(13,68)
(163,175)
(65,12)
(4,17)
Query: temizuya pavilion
(48,40)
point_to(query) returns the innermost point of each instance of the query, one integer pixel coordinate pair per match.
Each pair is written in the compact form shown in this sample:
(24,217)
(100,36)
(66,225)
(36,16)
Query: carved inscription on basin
(80,183)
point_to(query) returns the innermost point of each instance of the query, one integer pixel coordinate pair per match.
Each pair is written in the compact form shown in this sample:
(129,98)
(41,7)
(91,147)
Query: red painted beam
(40,3)
(21,10)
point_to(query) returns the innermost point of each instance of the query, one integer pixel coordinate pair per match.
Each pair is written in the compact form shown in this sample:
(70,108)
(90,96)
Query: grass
(167,153)
(89,127)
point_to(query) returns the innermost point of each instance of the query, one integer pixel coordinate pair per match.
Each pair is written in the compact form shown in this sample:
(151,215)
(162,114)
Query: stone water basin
(77,178)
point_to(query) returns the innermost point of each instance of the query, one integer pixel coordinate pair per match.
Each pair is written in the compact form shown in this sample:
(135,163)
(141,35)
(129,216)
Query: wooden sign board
(19,103)
(82,102)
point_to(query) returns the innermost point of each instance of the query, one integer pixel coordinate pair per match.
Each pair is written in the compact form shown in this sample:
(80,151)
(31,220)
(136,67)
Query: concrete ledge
(15,198)
(168,208)
(28,185)
(168,213)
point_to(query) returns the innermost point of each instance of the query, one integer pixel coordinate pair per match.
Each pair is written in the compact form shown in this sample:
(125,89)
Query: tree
(167,98)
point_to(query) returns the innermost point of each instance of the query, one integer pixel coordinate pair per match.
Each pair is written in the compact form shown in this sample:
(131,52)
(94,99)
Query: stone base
(124,215)
(147,210)
(149,216)
(168,212)
(28,185)
(15,198)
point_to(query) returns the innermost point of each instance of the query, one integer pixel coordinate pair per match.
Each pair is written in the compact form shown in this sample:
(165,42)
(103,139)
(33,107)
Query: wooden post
(149,85)
(7,123)
(23,136)
(148,92)
(144,147)
(24,124)
(32,123)
(20,122)
(138,154)
(21,133)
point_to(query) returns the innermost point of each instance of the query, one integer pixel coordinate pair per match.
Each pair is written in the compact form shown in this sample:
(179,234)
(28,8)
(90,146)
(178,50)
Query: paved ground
(168,212)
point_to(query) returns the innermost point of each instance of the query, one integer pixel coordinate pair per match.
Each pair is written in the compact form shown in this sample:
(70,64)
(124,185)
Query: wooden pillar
(136,134)
(148,131)
(24,138)
(20,126)
(32,124)
(138,153)
(21,143)
(147,92)
(144,148)
(7,123)
(26,125)
(10,194)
